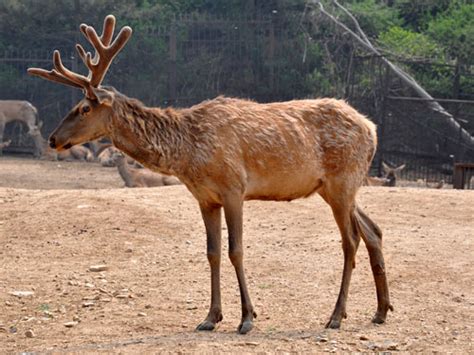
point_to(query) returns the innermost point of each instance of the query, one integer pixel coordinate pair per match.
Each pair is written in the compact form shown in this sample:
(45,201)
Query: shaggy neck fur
(155,137)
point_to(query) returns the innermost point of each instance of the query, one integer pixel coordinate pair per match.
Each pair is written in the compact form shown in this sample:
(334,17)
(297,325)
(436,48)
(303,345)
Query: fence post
(381,118)
(271,56)
(74,68)
(172,64)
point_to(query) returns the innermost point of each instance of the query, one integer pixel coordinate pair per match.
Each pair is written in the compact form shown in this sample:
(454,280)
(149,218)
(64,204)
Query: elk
(16,110)
(78,152)
(134,177)
(5,144)
(229,150)
(392,174)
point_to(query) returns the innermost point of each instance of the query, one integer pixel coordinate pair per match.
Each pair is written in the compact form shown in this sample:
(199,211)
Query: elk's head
(90,118)
(392,174)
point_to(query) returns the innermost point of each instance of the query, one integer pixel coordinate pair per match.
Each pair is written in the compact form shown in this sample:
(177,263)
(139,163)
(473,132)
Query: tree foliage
(306,62)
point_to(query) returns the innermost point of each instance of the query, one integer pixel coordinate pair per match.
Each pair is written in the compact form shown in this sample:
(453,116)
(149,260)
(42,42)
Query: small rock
(141,314)
(251,343)
(89,285)
(97,268)
(321,339)
(88,304)
(364,337)
(76,318)
(386,345)
(22,294)
(191,307)
(90,298)
(148,306)
(70,324)
(29,333)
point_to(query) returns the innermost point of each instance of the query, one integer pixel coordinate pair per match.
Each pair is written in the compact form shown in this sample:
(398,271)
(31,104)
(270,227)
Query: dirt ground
(57,219)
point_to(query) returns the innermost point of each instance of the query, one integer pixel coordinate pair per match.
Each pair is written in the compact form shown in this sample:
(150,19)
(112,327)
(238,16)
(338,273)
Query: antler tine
(80,80)
(52,75)
(60,74)
(108,30)
(105,54)
(65,72)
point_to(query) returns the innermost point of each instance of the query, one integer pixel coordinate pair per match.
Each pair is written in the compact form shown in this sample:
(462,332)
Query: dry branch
(362,38)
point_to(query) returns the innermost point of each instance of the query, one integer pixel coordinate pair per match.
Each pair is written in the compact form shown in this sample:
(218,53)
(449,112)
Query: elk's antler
(105,52)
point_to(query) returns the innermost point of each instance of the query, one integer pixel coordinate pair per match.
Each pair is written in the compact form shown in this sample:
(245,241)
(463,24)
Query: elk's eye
(86,108)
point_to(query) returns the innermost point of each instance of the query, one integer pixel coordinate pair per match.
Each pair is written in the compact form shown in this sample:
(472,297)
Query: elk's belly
(282,186)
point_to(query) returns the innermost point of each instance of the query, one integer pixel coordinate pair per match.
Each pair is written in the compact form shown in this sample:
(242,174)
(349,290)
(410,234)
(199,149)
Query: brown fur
(78,152)
(134,177)
(230,150)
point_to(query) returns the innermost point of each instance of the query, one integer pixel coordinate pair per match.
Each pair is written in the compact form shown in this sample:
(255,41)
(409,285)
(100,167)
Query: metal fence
(410,131)
(193,58)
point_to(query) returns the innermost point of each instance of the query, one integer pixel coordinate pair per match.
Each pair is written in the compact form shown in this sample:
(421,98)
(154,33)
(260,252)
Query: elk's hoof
(381,315)
(206,326)
(245,327)
(333,324)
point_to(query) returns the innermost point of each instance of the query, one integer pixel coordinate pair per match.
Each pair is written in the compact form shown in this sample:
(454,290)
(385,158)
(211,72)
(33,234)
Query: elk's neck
(155,137)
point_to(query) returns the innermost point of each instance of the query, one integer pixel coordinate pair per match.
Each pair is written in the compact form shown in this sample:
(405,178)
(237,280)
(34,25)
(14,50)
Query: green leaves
(455,29)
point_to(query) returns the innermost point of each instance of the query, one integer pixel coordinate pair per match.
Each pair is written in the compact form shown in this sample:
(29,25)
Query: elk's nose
(52,142)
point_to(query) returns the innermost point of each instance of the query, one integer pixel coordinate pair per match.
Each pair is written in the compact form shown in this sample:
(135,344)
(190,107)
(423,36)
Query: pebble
(97,268)
(88,304)
(251,343)
(364,337)
(321,339)
(70,324)
(29,333)
(141,314)
(386,345)
(21,294)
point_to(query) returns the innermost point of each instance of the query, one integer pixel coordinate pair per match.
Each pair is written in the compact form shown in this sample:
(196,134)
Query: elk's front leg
(234,220)
(212,221)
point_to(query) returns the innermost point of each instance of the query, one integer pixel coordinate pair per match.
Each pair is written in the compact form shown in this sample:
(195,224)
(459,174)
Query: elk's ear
(385,167)
(400,168)
(104,97)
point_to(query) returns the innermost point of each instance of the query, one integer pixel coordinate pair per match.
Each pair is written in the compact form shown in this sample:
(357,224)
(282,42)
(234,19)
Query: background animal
(5,144)
(227,151)
(78,152)
(392,174)
(136,177)
(15,110)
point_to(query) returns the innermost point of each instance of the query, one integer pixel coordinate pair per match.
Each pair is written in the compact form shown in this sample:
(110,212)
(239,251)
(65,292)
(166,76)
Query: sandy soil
(57,219)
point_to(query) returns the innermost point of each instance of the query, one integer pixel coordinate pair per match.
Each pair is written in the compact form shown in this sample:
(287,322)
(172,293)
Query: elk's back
(283,151)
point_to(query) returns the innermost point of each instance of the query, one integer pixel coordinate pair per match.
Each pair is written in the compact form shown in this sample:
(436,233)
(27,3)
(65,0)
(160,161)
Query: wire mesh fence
(195,57)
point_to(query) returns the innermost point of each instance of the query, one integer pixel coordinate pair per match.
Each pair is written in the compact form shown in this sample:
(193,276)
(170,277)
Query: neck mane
(154,137)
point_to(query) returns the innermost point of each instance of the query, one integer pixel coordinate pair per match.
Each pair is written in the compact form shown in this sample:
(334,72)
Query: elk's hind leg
(212,221)
(342,204)
(372,236)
